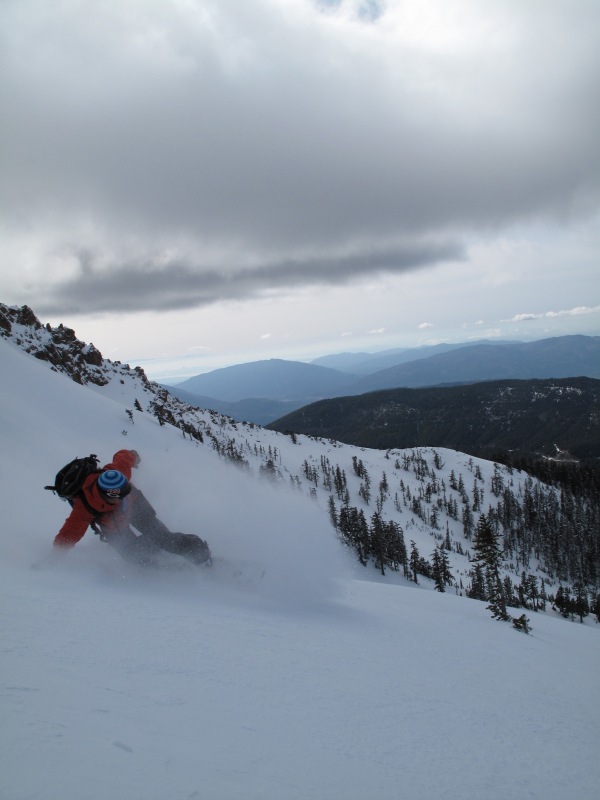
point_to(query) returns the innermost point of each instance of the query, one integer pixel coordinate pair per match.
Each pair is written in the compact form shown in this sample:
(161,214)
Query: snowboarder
(112,505)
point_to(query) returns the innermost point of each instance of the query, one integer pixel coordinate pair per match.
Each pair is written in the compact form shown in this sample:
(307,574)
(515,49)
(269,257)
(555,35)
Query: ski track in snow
(322,682)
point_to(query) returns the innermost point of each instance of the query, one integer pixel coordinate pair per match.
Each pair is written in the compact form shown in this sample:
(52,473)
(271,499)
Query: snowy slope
(315,684)
(428,489)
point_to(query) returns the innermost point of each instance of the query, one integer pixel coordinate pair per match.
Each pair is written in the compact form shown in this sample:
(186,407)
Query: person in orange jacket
(112,505)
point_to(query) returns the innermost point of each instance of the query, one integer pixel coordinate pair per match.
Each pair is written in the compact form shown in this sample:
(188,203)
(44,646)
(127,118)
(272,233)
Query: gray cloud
(275,137)
(178,285)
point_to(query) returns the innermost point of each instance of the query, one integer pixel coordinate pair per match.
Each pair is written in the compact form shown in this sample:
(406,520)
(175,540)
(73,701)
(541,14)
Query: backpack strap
(94,524)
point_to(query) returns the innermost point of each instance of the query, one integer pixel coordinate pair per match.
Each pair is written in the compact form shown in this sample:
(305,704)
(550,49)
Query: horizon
(387,350)
(155,368)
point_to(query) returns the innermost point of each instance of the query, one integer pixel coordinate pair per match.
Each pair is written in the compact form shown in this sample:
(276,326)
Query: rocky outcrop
(59,346)
(61,349)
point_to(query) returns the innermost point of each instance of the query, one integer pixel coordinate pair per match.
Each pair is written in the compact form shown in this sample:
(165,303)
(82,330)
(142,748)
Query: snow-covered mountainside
(400,510)
(327,680)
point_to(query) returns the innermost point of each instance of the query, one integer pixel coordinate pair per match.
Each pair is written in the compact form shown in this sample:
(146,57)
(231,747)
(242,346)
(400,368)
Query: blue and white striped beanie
(113,484)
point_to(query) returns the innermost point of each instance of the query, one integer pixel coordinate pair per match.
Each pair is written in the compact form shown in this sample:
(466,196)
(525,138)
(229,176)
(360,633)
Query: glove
(136,463)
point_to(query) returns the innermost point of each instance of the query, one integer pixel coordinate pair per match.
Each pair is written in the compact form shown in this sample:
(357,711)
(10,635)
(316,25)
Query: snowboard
(240,572)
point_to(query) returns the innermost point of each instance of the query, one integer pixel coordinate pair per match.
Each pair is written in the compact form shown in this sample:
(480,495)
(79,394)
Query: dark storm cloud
(140,287)
(277,136)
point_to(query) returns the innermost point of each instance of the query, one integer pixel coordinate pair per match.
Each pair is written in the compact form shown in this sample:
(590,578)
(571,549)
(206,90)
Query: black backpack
(70,479)
(69,483)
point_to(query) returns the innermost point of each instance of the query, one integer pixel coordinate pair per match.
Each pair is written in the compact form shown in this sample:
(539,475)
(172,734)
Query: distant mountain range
(276,379)
(559,357)
(264,391)
(259,410)
(552,417)
(369,363)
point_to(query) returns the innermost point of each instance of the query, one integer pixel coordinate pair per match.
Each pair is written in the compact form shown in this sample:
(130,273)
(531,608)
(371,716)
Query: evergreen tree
(476,497)
(532,592)
(485,545)
(415,560)
(395,546)
(438,575)
(452,480)
(581,605)
(562,602)
(269,470)
(365,487)
(384,485)
(522,590)
(447,576)
(353,527)
(477,590)
(447,540)
(358,466)
(488,557)
(543,596)
(339,482)
(509,594)
(332,512)
(497,485)
(497,601)
(467,521)
(378,537)
(158,410)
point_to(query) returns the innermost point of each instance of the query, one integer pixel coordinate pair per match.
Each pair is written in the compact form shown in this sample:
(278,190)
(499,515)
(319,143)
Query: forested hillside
(540,417)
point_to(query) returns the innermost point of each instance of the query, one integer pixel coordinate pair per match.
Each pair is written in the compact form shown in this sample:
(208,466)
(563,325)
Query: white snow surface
(325,681)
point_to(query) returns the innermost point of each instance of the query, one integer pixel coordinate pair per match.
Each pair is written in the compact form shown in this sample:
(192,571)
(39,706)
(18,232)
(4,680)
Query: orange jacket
(81,517)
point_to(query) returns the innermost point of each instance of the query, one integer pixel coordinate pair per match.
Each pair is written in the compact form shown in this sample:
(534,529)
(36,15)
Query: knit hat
(113,484)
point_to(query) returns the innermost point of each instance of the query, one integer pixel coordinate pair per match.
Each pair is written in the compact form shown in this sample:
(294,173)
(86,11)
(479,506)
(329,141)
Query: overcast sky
(195,183)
